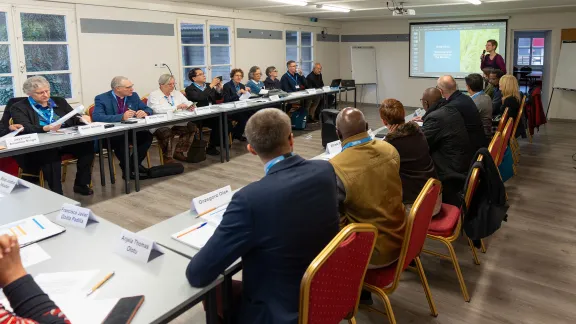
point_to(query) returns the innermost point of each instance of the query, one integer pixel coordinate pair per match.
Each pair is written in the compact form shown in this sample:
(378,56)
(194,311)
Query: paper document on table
(33,254)
(263,91)
(245,96)
(195,236)
(63,119)
(32,229)
(65,283)
(79,309)
(215,217)
(11,134)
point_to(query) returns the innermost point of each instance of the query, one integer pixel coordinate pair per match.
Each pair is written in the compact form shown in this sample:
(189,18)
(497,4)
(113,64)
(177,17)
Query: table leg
(227,299)
(222,153)
(355,88)
(110,161)
(126,163)
(211,307)
(135,160)
(225,134)
(101,162)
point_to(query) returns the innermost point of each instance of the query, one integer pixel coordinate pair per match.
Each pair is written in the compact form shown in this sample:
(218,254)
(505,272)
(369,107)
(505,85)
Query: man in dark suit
(293,80)
(116,105)
(277,225)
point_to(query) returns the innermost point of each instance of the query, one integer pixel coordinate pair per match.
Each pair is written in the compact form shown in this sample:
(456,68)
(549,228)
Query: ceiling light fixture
(293,2)
(475,2)
(332,8)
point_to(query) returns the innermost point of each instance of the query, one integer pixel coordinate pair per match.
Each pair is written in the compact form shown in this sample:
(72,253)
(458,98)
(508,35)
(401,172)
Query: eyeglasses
(129,87)
(39,93)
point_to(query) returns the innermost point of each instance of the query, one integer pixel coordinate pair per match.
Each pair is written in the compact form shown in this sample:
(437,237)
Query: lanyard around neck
(116,97)
(358,142)
(275,161)
(294,78)
(40,114)
(171,100)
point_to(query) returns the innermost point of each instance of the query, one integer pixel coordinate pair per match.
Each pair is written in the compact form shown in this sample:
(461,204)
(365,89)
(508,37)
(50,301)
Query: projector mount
(398,9)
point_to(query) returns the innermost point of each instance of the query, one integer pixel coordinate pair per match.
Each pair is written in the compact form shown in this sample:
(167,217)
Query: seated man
(116,105)
(277,225)
(447,138)
(474,85)
(494,79)
(314,81)
(36,114)
(292,81)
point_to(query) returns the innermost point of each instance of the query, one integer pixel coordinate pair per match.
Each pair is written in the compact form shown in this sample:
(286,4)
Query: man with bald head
(369,185)
(277,225)
(445,131)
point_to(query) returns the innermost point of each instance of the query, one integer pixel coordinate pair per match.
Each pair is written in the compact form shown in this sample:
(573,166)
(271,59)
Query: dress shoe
(179,156)
(212,150)
(168,159)
(83,190)
(241,138)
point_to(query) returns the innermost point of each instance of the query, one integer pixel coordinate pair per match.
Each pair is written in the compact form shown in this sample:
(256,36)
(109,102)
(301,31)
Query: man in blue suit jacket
(277,225)
(117,105)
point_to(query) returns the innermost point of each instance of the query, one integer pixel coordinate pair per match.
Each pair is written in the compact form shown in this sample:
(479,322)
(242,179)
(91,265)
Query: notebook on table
(198,235)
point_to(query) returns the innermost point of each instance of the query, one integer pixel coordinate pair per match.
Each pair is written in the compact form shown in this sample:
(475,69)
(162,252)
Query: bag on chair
(165,170)
(197,151)
(506,167)
(328,120)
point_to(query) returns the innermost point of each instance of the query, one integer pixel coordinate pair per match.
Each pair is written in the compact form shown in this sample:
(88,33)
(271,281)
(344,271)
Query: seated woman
(232,92)
(30,304)
(416,165)
(272,81)
(254,83)
(37,115)
(511,99)
(168,99)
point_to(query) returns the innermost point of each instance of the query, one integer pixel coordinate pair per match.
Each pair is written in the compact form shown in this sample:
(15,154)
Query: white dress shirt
(161,104)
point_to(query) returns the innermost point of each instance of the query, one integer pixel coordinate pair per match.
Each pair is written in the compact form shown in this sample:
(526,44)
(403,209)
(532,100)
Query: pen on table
(193,229)
(98,285)
(206,212)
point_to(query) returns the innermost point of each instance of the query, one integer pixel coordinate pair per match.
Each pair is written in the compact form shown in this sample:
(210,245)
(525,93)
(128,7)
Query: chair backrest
(495,146)
(503,120)
(472,185)
(145,100)
(506,138)
(519,117)
(90,110)
(330,288)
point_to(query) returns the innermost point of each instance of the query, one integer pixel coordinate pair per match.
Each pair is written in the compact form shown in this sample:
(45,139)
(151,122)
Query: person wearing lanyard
(369,186)
(37,114)
(292,80)
(475,88)
(277,225)
(167,99)
(233,90)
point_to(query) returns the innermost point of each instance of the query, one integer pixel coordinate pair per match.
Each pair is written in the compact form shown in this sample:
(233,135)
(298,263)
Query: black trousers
(50,162)
(241,119)
(214,124)
(144,139)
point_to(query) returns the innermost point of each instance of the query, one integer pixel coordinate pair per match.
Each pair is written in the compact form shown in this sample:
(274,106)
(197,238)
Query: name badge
(22,140)
(311,91)
(334,148)
(240,104)
(139,248)
(212,199)
(91,129)
(326,88)
(9,182)
(275,98)
(75,216)
(371,133)
(203,110)
(156,118)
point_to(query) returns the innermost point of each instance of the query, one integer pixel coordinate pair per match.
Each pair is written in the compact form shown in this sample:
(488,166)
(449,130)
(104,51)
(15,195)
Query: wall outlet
(159,65)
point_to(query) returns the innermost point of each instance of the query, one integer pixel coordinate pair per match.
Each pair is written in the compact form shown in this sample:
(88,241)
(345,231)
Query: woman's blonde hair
(509,87)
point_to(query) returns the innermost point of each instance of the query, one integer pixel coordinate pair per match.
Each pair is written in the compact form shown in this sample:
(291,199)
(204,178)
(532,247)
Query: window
(212,51)
(530,51)
(300,48)
(6,68)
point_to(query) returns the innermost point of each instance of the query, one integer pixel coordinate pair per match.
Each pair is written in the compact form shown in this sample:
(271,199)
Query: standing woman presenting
(492,59)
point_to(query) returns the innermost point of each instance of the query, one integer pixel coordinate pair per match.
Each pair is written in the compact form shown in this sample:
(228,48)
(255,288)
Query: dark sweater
(292,83)
(270,84)
(202,98)
(416,165)
(22,113)
(315,80)
(513,106)
(230,93)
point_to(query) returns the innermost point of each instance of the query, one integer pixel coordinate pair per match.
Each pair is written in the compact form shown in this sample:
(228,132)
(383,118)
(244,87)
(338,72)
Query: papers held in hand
(63,119)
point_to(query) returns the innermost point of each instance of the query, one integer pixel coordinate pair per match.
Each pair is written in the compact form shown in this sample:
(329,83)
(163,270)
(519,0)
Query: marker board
(364,65)
(566,69)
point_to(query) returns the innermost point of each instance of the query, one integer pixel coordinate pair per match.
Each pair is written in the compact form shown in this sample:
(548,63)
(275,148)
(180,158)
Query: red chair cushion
(9,166)
(445,222)
(382,277)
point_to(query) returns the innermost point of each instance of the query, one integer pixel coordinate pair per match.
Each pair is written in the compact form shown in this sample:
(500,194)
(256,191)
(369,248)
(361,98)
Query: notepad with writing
(195,236)
(32,229)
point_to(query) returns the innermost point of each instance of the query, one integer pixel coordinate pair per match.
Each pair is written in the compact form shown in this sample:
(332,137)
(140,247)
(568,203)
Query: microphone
(483,54)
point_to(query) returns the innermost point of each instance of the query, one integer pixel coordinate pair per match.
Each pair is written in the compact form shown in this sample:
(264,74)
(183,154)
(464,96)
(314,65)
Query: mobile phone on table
(124,310)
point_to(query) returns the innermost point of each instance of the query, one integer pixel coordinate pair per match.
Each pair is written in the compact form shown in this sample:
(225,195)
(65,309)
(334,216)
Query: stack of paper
(195,236)
(32,229)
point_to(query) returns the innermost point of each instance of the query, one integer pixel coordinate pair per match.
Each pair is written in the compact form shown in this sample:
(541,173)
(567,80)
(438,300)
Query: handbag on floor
(197,151)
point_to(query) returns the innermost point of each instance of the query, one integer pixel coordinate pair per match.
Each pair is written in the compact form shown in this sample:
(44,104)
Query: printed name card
(134,246)
(9,182)
(275,98)
(211,200)
(22,140)
(91,129)
(75,216)
(156,118)
(203,110)
(419,112)
(311,91)
(240,104)
(326,88)
(334,148)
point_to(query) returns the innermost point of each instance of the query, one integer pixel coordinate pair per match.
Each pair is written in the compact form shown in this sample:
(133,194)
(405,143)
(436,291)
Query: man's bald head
(350,122)
(430,97)
(447,85)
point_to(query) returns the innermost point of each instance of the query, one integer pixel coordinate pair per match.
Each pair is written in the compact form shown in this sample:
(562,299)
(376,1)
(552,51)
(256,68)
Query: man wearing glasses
(119,104)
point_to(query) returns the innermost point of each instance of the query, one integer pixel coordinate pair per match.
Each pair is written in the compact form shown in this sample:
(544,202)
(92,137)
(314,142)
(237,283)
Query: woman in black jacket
(511,100)
(233,90)
(272,82)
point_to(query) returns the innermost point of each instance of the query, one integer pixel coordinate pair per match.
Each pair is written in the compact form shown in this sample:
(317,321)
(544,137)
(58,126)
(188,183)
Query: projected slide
(452,48)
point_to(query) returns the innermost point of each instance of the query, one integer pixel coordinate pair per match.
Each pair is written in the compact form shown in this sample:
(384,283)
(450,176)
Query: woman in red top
(492,60)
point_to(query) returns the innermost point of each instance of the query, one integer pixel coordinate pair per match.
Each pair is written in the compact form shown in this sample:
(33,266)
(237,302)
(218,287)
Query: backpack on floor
(165,170)
(328,120)
(196,151)
(298,118)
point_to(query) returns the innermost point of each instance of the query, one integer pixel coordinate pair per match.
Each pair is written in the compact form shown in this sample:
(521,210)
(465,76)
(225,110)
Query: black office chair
(524,72)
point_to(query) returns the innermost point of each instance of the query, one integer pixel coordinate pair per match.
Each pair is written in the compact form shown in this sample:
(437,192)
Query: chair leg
(474,254)
(64,171)
(529,136)
(148,159)
(41,178)
(352,320)
(422,275)
(161,154)
(388,307)
(20,172)
(457,268)
(483,247)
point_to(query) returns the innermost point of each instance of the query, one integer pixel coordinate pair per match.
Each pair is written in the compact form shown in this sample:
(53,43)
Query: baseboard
(562,120)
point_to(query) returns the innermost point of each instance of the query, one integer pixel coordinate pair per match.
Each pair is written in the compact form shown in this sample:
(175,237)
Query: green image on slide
(472,42)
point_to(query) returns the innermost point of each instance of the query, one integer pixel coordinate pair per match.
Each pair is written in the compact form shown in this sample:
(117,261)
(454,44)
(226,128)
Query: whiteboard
(566,70)
(364,65)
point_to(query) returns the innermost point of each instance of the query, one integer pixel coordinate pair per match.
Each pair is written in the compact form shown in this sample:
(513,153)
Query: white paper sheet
(215,217)
(246,95)
(195,238)
(33,254)
(66,283)
(79,309)
(263,91)
(63,119)
(31,229)
(11,134)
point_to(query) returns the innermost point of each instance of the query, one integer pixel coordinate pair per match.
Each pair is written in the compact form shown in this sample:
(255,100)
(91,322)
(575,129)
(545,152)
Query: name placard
(91,129)
(311,91)
(153,119)
(334,148)
(22,140)
(212,199)
(326,88)
(203,110)
(75,216)
(9,182)
(240,104)
(275,98)
(134,246)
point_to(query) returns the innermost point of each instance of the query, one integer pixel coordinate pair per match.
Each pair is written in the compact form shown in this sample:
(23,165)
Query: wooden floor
(528,274)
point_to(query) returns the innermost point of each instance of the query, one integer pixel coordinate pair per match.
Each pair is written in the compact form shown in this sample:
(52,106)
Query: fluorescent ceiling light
(475,2)
(332,8)
(293,2)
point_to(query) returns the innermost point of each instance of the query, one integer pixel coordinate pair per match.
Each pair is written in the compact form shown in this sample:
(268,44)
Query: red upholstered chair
(330,288)
(495,146)
(445,227)
(514,146)
(506,134)
(503,121)
(383,281)
(9,166)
